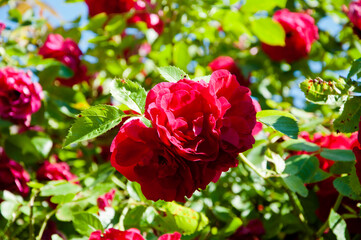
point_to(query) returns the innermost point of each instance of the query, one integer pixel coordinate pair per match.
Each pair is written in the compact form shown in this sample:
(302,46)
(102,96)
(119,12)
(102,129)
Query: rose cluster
(198,131)
(19,96)
(130,234)
(123,6)
(301,32)
(67,52)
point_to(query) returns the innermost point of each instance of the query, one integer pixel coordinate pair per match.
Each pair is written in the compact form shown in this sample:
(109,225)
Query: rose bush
(301,32)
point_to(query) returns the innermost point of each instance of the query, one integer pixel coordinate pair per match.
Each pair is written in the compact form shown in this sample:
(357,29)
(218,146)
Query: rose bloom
(2,27)
(130,234)
(198,131)
(258,127)
(13,177)
(67,52)
(19,96)
(301,32)
(55,171)
(227,63)
(109,6)
(106,200)
(354,14)
(332,141)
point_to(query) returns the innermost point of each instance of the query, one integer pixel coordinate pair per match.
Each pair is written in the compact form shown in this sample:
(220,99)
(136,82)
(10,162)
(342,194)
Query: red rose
(19,96)
(331,141)
(354,14)
(109,6)
(198,131)
(54,171)
(170,236)
(115,234)
(301,32)
(2,27)
(105,200)
(13,177)
(252,231)
(67,52)
(142,15)
(227,63)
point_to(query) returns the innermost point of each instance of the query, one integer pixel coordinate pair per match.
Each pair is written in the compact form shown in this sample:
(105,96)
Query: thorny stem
(326,224)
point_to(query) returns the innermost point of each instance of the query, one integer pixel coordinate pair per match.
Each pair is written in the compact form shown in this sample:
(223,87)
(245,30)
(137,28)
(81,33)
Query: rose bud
(301,32)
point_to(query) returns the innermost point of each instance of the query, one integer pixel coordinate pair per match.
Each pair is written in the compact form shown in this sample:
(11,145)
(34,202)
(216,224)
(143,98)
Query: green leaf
(343,186)
(133,217)
(341,155)
(355,182)
(269,31)
(172,74)
(232,226)
(65,72)
(97,22)
(349,119)
(135,191)
(338,226)
(355,68)
(342,167)
(278,161)
(130,94)
(302,166)
(43,145)
(204,78)
(61,199)
(8,209)
(174,217)
(295,184)
(116,25)
(93,122)
(181,57)
(86,223)
(253,6)
(57,188)
(320,91)
(300,145)
(280,121)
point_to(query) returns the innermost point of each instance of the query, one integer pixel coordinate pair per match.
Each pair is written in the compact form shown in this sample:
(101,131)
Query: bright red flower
(258,127)
(55,171)
(170,236)
(13,177)
(198,131)
(354,14)
(67,52)
(109,6)
(227,63)
(301,32)
(115,234)
(105,200)
(2,27)
(19,96)
(331,141)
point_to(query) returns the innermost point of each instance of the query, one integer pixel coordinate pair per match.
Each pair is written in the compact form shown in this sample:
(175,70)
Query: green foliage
(348,121)
(130,94)
(338,155)
(172,74)
(93,122)
(269,31)
(338,226)
(281,121)
(86,223)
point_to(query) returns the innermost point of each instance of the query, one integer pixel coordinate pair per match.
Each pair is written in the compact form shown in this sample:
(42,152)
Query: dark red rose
(55,171)
(19,96)
(331,141)
(198,131)
(109,6)
(252,231)
(67,52)
(13,177)
(106,200)
(115,234)
(170,236)
(227,63)
(301,32)
(258,127)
